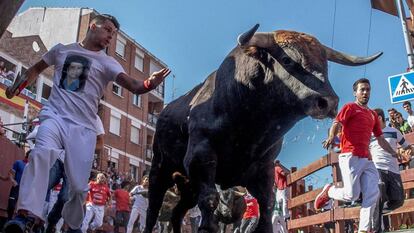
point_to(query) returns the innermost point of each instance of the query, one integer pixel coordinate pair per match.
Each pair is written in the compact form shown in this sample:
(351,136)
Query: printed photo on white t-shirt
(74,73)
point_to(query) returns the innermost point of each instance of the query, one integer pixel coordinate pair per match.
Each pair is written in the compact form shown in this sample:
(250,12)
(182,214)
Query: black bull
(229,129)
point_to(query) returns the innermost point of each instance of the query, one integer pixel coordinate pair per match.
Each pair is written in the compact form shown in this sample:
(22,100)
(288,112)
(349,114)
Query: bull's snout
(324,106)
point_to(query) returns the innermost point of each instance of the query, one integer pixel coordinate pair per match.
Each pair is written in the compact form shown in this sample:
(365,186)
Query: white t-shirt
(410,120)
(140,202)
(99,126)
(79,81)
(382,159)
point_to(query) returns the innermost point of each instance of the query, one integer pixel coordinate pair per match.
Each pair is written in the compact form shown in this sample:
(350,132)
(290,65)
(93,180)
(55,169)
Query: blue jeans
(55,174)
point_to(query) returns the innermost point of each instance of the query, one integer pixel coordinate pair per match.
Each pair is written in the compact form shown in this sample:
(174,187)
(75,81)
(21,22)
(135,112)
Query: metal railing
(152,119)
(25,91)
(148,152)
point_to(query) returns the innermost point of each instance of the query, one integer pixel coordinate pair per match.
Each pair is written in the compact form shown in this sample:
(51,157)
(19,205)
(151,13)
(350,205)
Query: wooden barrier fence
(300,203)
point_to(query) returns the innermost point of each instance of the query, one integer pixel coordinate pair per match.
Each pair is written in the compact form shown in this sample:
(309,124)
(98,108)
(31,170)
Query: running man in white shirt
(68,119)
(140,205)
(391,189)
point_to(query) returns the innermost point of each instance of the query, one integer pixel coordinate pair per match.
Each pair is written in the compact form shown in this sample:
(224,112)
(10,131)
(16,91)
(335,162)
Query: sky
(193,38)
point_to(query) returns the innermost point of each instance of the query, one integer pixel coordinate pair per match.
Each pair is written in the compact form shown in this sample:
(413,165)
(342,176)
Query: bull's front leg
(201,163)
(262,189)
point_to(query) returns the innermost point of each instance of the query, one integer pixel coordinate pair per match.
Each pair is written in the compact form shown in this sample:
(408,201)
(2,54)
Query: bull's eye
(286,61)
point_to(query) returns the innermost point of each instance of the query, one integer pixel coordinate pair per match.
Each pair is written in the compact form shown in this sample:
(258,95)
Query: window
(116,89)
(139,60)
(134,171)
(154,67)
(135,128)
(120,46)
(115,123)
(136,100)
(46,91)
(160,89)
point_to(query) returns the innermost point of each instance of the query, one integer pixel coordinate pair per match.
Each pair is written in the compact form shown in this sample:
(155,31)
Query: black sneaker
(20,224)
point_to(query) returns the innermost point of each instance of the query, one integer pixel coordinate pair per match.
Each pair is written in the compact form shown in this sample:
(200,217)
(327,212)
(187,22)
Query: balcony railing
(152,119)
(148,152)
(25,91)
(159,91)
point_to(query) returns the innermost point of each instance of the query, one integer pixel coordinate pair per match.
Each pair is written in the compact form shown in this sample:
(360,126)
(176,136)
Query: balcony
(148,152)
(25,91)
(159,91)
(152,119)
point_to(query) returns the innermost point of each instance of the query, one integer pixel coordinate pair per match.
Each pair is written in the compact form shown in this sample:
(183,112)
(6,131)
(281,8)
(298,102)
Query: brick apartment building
(129,120)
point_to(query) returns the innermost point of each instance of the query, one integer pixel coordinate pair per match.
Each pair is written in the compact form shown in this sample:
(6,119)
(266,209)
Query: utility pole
(407,39)
(8,9)
(173,88)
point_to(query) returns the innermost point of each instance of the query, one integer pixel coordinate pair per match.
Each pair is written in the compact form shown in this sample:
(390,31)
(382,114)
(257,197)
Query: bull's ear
(244,38)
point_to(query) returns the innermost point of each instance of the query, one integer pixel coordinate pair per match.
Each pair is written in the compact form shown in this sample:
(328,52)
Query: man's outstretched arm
(139,87)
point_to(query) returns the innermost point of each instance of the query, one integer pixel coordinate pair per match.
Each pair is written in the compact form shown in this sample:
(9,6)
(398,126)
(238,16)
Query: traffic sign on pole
(401,87)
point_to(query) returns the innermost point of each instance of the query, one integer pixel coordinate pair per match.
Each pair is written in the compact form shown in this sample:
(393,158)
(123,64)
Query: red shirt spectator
(98,194)
(122,200)
(252,207)
(280,177)
(357,132)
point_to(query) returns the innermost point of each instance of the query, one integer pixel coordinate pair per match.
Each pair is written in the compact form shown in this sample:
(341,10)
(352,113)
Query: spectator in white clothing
(139,196)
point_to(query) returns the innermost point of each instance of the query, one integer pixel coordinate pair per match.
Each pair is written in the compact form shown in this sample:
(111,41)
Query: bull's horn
(244,38)
(349,60)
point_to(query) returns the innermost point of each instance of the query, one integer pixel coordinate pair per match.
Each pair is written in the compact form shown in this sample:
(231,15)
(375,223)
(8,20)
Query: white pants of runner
(133,217)
(97,213)
(279,224)
(359,175)
(281,198)
(54,138)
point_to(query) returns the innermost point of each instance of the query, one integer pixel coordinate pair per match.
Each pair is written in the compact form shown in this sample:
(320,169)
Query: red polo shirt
(357,125)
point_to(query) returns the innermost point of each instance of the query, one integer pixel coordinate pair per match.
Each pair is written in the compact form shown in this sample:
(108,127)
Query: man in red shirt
(122,206)
(281,191)
(359,174)
(98,196)
(251,215)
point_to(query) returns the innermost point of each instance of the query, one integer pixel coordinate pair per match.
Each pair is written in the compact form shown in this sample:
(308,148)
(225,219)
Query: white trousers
(359,175)
(281,200)
(57,138)
(279,224)
(133,217)
(95,212)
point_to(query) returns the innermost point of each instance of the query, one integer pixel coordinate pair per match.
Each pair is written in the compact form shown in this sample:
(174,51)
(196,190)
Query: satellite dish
(35,46)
